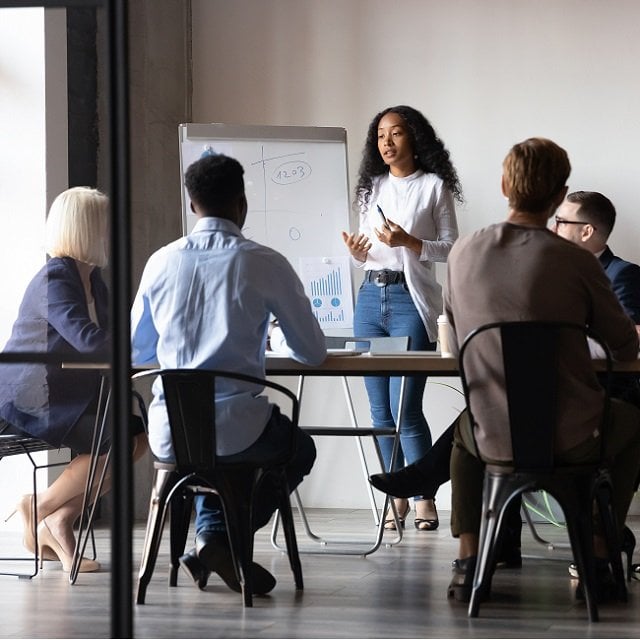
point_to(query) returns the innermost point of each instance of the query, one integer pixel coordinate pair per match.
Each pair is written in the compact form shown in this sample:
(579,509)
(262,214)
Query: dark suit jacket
(625,280)
(45,400)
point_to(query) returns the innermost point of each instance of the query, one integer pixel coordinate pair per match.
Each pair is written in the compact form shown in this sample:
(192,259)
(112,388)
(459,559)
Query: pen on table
(384,218)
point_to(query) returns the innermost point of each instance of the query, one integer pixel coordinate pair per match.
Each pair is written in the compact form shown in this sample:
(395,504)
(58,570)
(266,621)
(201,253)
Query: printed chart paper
(327,282)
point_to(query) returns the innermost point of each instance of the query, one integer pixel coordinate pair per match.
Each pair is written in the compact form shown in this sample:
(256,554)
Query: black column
(119,165)
(82,96)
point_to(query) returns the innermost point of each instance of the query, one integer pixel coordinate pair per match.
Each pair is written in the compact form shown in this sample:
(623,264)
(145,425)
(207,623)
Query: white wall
(487,74)
(33,169)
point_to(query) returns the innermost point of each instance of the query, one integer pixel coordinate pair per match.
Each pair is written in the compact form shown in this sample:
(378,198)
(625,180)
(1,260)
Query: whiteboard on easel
(296,182)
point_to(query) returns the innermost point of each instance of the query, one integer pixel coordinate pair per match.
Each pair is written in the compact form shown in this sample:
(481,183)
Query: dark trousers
(274,442)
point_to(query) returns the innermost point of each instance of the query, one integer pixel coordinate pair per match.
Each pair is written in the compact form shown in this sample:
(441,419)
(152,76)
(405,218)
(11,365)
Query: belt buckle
(380,279)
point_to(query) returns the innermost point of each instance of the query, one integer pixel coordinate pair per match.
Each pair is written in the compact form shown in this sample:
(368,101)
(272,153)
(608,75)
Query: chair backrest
(374,344)
(529,374)
(189,397)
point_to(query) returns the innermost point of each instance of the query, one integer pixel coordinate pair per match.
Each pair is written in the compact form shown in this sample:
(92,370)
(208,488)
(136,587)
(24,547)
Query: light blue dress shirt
(205,301)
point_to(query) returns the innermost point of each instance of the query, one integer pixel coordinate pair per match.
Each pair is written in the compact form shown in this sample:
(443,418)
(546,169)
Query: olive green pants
(622,451)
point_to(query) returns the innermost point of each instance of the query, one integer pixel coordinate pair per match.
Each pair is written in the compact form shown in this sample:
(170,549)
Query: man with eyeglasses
(586,218)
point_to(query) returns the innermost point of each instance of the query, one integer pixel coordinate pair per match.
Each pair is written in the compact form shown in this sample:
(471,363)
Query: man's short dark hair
(595,209)
(214,182)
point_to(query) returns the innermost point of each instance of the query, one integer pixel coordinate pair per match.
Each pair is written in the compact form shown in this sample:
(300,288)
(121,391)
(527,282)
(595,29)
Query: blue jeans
(272,444)
(389,311)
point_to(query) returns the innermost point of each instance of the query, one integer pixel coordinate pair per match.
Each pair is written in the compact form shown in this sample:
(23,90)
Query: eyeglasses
(563,221)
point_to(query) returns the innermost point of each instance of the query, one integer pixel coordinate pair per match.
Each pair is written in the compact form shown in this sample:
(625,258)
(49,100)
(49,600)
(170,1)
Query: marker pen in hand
(384,218)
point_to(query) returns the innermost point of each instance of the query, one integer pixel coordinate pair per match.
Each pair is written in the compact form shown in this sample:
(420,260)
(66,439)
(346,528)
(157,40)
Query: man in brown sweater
(520,270)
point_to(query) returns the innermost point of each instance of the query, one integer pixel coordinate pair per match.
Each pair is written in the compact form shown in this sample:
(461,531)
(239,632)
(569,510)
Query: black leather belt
(384,277)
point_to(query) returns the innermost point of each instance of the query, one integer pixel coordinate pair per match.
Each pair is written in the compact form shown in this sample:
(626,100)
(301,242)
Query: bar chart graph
(327,282)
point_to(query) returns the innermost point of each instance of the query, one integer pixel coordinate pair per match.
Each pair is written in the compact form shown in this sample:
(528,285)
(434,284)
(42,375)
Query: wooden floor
(398,592)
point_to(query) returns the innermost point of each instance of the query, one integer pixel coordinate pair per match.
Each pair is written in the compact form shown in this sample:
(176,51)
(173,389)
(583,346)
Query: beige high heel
(25,508)
(46,541)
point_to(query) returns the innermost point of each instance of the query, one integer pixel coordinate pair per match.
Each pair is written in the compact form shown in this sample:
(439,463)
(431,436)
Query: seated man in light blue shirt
(205,301)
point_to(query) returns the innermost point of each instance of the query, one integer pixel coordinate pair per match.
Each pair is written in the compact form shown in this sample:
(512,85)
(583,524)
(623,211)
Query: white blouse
(423,206)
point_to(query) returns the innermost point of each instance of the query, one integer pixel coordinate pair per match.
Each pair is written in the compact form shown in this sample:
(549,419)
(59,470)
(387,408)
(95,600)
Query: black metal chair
(189,395)
(532,366)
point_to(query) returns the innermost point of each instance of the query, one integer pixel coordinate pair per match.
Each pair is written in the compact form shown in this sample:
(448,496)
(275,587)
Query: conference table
(351,363)
(429,363)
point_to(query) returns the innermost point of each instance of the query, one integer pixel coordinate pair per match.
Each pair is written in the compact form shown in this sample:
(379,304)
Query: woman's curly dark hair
(430,152)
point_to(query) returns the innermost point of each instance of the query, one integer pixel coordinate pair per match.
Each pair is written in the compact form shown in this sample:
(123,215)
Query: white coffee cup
(443,336)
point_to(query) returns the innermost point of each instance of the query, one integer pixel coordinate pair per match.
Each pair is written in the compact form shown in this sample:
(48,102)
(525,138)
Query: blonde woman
(64,312)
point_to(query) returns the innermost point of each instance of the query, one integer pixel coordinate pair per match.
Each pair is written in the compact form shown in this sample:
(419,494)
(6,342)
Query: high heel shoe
(427,524)
(25,508)
(46,541)
(404,483)
(403,512)
(627,546)
(462,583)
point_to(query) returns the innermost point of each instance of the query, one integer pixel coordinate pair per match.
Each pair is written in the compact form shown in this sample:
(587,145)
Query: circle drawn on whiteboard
(290,172)
(317,302)
(294,233)
(335,302)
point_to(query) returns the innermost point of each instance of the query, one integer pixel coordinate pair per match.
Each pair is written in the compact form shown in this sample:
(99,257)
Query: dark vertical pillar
(82,87)
(122,494)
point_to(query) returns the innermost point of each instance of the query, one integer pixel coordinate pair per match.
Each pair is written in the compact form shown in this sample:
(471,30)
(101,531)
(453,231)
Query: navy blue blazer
(45,400)
(625,281)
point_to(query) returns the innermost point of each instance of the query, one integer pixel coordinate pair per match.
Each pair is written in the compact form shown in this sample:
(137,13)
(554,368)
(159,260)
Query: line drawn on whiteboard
(285,175)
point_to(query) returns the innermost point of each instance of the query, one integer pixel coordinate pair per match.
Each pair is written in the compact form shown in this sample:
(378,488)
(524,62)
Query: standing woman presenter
(406,190)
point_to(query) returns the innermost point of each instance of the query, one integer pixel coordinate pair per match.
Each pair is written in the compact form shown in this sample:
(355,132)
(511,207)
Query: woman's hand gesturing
(358,245)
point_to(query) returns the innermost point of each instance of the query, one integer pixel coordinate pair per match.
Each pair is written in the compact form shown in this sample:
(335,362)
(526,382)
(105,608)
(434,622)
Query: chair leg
(578,511)
(289,531)
(497,493)
(236,491)
(604,499)
(181,506)
(163,482)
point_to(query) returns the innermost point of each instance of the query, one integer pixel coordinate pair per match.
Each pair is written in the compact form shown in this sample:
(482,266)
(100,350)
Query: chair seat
(11,445)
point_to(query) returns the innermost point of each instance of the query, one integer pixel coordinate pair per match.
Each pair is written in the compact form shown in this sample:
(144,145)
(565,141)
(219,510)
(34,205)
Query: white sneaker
(573,570)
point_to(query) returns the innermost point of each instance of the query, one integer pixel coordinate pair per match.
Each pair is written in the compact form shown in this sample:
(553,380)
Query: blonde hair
(534,173)
(77,226)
